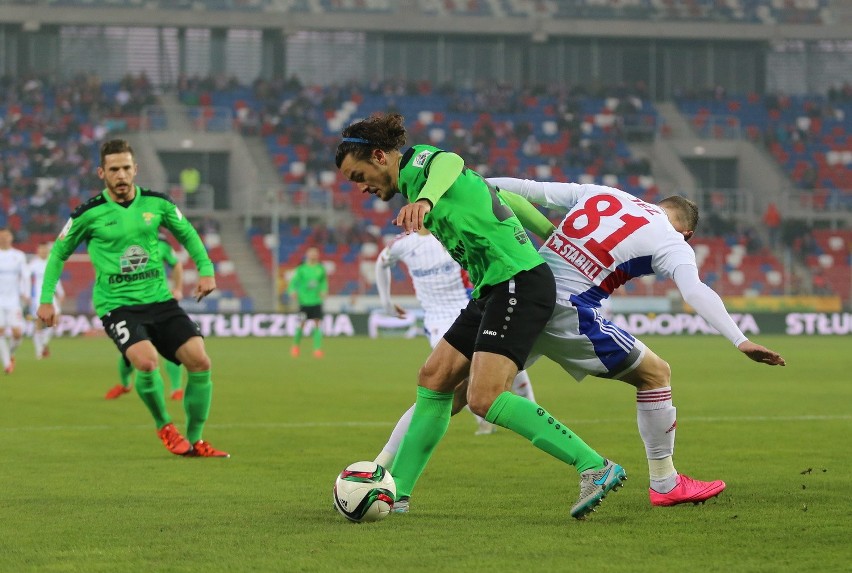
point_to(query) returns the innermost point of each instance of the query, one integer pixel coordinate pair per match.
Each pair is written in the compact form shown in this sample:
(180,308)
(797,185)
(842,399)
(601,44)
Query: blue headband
(357,140)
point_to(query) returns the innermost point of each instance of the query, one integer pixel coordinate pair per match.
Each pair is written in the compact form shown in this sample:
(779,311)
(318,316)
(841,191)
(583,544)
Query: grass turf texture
(87,486)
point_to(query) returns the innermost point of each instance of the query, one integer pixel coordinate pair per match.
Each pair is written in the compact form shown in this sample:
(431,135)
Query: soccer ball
(364,491)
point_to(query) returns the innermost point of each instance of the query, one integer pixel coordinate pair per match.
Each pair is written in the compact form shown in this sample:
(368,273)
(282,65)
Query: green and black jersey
(474,224)
(124,249)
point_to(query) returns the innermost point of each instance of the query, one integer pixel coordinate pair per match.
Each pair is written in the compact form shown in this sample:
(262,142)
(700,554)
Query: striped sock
(657,420)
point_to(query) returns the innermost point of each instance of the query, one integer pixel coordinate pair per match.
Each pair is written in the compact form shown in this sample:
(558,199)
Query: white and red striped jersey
(440,284)
(607,238)
(13,286)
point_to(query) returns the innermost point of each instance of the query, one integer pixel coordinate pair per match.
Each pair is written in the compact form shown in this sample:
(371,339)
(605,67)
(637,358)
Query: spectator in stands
(772,220)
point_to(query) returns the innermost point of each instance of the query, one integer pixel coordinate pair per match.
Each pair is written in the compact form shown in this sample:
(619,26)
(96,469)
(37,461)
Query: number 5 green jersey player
(513,298)
(131,294)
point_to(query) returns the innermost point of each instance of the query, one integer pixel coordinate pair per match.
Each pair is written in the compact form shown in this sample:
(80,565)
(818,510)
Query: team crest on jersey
(66,229)
(420,159)
(148,217)
(134,259)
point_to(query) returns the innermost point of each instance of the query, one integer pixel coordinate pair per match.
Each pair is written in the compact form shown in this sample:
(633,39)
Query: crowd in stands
(49,136)
(51,131)
(744,11)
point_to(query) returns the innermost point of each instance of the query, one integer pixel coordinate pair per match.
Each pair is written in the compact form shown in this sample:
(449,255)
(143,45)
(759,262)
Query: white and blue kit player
(607,238)
(443,290)
(13,292)
(35,277)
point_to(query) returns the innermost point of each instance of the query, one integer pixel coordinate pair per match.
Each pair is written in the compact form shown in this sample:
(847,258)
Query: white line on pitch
(295,425)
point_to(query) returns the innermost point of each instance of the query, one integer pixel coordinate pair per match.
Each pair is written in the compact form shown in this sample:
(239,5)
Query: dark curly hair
(385,132)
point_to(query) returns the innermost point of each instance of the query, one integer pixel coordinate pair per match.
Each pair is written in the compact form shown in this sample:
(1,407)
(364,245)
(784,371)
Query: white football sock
(38,338)
(388,453)
(5,355)
(657,420)
(13,344)
(522,386)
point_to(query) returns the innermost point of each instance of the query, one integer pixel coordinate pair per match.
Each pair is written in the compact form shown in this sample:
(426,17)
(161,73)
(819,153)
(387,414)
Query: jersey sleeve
(707,304)
(183,230)
(72,234)
(442,171)
(323,286)
(383,279)
(550,194)
(672,253)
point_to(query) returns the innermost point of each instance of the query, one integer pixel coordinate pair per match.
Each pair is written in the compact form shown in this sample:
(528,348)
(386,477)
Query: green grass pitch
(85,485)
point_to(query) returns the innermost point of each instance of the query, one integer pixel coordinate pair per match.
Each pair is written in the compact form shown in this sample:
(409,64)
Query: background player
(35,276)
(13,294)
(131,295)
(442,287)
(607,238)
(310,286)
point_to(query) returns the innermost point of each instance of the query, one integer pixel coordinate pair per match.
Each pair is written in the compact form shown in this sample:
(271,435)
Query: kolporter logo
(134,259)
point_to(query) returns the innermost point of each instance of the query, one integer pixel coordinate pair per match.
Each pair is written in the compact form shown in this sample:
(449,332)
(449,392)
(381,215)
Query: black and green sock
(545,432)
(429,423)
(149,386)
(175,374)
(196,403)
(125,369)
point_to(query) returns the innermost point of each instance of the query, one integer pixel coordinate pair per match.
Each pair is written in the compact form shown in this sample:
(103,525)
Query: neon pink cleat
(687,490)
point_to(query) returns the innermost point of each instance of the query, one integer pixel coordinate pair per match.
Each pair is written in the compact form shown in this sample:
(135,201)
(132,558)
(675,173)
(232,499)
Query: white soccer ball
(364,491)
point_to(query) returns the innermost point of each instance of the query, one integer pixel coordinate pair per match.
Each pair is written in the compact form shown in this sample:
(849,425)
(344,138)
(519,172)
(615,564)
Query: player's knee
(658,375)
(198,363)
(146,364)
(480,401)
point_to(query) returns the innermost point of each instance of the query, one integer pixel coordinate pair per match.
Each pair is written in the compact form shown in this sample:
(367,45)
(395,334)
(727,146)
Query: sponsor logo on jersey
(490,332)
(134,259)
(575,256)
(133,277)
(521,236)
(148,217)
(421,158)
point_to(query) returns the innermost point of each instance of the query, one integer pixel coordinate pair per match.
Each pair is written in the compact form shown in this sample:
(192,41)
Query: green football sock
(175,375)
(125,369)
(297,338)
(317,335)
(429,423)
(545,432)
(149,386)
(196,403)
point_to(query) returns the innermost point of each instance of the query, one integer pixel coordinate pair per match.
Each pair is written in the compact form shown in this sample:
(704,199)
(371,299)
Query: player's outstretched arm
(761,354)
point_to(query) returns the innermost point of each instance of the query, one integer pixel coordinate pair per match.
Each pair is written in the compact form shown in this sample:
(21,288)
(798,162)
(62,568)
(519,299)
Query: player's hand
(400,312)
(205,286)
(410,217)
(46,313)
(762,354)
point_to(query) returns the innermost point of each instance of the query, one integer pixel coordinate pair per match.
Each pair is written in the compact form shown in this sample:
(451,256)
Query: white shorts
(584,344)
(436,330)
(11,318)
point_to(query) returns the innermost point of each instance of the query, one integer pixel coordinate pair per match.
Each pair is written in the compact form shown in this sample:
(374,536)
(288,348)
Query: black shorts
(508,317)
(165,324)
(313,311)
